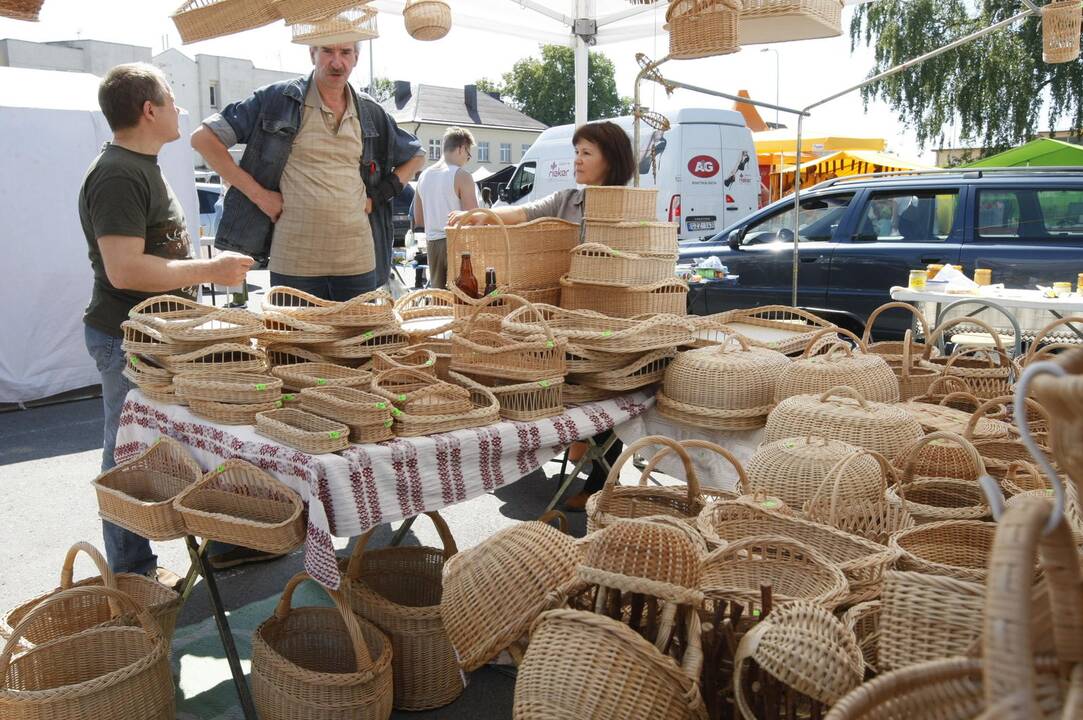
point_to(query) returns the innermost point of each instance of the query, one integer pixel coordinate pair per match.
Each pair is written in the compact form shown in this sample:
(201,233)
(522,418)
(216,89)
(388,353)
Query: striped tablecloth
(366,485)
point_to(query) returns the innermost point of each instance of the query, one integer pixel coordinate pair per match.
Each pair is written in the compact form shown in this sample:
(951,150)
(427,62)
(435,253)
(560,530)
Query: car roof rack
(965,173)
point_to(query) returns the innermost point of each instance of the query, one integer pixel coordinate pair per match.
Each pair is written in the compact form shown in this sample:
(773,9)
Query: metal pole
(372,71)
(584,11)
(796,206)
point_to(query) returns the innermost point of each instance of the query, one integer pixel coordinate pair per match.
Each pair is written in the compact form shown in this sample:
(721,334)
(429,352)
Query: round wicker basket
(810,374)
(793,469)
(427,19)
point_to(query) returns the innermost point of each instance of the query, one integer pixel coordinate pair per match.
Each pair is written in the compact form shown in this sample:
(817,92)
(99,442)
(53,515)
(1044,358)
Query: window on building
(523,148)
(435,148)
(505,152)
(214,95)
(483,152)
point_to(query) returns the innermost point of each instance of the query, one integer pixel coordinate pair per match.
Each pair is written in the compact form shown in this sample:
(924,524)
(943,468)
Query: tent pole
(796,208)
(584,11)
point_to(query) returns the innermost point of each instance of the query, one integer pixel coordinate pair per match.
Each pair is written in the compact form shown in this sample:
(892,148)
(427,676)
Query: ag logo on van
(703,166)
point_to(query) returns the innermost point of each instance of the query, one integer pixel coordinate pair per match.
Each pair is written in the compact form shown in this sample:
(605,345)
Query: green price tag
(549,343)
(770,504)
(135,360)
(544,383)
(616,253)
(494,293)
(755,613)
(606,333)
(278,403)
(402,397)
(428,362)
(158,440)
(288,397)
(396,412)
(389,423)
(220,468)
(334,434)
(131,313)
(790,444)
(321,381)
(261,386)
(367,334)
(643,223)
(381,406)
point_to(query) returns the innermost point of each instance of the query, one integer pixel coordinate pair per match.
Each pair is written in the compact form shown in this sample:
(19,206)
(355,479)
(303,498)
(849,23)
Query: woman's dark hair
(615,146)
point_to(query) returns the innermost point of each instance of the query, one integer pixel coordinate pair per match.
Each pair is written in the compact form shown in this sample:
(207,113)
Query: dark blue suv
(860,236)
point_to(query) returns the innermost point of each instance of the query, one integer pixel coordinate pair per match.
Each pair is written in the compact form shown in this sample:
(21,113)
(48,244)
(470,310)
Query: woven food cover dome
(843,414)
(867,373)
(643,556)
(722,386)
(793,468)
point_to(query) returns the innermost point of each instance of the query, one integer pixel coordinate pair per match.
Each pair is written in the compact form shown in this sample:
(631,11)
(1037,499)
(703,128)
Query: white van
(704,168)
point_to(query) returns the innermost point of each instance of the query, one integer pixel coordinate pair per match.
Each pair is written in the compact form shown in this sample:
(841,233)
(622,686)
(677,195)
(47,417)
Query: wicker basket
(702,28)
(596,264)
(495,590)
(231,413)
(863,620)
(144,337)
(950,548)
(368,416)
(811,374)
(291,355)
(947,468)
(986,378)
(858,506)
(594,331)
(170,307)
(217,359)
(783,328)
(292,330)
(736,573)
(722,388)
(616,502)
(1062,397)
(644,370)
(893,350)
(137,495)
(804,647)
(81,612)
(794,469)
(398,589)
(526,401)
(239,503)
(585,361)
(767,21)
(927,617)
(299,11)
(223,325)
(116,672)
(483,352)
(1060,31)
(205,19)
(320,662)
(21,9)
(415,359)
(305,375)
(662,297)
(362,347)
(427,19)
(842,414)
(862,561)
(915,376)
(372,309)
(146,370)
(426,314)
(532,255)
(620,204)
(229,387)
(943,417)
(611,673)
(641,236)
(306,432)
(347,26)
(436,406)
(711,492)
(1000,452)
(162,394)
(573,393)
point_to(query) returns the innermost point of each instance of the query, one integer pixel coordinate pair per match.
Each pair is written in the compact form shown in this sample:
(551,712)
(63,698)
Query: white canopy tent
(51,130)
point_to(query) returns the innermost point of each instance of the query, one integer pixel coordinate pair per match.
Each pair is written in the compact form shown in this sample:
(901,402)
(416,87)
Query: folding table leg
(594,453)
(400,534)
(247,706)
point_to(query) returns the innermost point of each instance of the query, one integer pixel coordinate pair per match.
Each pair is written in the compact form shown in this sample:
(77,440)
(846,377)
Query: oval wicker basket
(951,548)
(811,374)
(893,350)
(574,394)
(496,589)
(427,19)
(780,327)
(952,492)
(368,416)
(311,374)
(668,297)
(145,337)
(586,361)
(231,413)
(320,662)
(644,370)
(217,359)
(596,264)
(170,307)
(292,330)
(526,401)
(720,388)
(299,11)
(240,504)
(363,346)
(986,379)
(416,358)
(302,430)
(793,469)
(497,355)
(424,406)
(703,28)
(290,355)
(371,309)
(999,453)
(198,20)
(619,203)
(843,414)
(229,387)
(641,236)
(399,590)
(146,370)
(425,314)
(859,507)
(594,331)
(350,25)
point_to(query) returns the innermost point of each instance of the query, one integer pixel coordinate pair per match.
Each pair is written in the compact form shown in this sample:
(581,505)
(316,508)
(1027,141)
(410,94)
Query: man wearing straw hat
(297,198)
(139,247)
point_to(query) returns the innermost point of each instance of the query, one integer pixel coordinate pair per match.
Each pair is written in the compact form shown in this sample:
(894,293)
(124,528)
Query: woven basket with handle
(620,204)
(595,331)
(308,433)
(703,28)
(644,370)
(668,296)
(892,350)
(809,374)
(856,505)
(425,314)
(951,548)
(943,496)
(598,264)
(793,469)
(427,19)
(1061,20)
(371,309)
(532,255)
(484,352)
(989,373)
(368,416)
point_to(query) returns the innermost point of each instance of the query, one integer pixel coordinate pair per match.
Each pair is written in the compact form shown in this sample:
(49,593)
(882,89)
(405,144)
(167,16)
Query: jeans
(330,287)
(125,551)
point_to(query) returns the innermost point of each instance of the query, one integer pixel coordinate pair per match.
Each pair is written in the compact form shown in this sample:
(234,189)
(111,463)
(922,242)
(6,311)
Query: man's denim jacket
(267,122)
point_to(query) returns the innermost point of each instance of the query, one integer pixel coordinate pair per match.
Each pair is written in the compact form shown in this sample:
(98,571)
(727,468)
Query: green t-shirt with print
(124,193)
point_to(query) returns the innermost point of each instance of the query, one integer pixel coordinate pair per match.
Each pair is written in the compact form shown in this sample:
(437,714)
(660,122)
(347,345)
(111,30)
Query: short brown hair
(615,146)
(125,88)
(457,137)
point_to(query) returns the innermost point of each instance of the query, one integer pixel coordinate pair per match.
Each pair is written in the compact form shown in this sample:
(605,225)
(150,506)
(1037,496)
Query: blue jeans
(330,287)
(125,551)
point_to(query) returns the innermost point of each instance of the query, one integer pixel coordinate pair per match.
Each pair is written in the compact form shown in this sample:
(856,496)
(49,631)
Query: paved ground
(48,456)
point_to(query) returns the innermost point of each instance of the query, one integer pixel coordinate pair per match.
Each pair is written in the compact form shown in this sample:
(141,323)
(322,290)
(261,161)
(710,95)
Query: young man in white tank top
(444,188)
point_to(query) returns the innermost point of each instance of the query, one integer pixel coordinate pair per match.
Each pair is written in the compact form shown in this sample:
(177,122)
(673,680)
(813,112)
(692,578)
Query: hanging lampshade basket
(350,25)
(21,9)
(427,19)
(1061,21)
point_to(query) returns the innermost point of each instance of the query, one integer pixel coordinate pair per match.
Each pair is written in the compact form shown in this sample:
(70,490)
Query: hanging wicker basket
(299,11)
(1060,30)
(770,21)
(427,19)
(347,26)
(205,19)
(21,9)
(703,28)
(399,590)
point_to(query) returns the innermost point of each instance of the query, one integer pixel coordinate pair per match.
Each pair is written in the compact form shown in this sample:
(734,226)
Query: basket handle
(613,478)
(495,220)
(410,300)
(828,330)
(837,347)
(866,336)
(1007,640)
(907,355)
(742,477)
(491,298)
(959,383)
(561,518)
(911,454)
(353,568)
(954,396)
(601,248)
(845,391)
(721,347)
(940,329)
(1033,351)
(353,628)
(988,405)
(834,475)
(955,356)
(67,571)
(114,596)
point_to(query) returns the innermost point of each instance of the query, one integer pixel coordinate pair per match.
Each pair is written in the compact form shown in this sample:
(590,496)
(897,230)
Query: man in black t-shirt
(138,245)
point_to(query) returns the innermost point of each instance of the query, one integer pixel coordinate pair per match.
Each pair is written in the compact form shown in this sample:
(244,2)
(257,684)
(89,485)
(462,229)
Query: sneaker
(168,578)
(241,556)
(576,503)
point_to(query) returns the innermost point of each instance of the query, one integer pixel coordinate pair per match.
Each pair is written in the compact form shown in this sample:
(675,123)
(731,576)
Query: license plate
(700,225)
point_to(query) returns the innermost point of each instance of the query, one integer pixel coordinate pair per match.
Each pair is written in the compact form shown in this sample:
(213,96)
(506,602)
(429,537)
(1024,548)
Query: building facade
(502,133)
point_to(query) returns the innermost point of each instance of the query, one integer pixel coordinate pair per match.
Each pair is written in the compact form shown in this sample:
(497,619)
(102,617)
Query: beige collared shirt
(323,228)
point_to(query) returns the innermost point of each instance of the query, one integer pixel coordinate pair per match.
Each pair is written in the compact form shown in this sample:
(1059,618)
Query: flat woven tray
(646,369)
(222,325)
(526,401)
(366,414)
(595,331)
(372,309)
(303,375)
(282,328)
(229,387)
(485,411)
(302,430)
(364,345)
(602,265)
(217,359)
(231,413)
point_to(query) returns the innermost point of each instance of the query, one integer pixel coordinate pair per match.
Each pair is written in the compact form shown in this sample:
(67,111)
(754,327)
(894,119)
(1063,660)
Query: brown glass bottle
(465,281)
(490,281)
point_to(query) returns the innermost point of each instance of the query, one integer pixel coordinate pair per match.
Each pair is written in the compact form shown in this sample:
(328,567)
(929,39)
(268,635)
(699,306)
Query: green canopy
(1043,151)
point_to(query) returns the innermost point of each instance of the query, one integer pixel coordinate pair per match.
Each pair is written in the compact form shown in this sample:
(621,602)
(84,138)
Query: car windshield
(819,218)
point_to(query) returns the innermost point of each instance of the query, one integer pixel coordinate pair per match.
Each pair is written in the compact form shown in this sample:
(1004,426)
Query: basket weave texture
(597,264)
(371,309)
(427,19)
(669,296)
(493,354)
(21,9)
(311,374)
(529,256)
(792,326)
(302,430)
(620,204)
(643,370)
(703,28)
(367,415)
(350,25)
(950,548)
(1061,20)
(986,378)
(856,505)
(794,469)
(205,19)
(642,236)
(953,493)
(426,314)
(927,617)
(585,329)
(869,374)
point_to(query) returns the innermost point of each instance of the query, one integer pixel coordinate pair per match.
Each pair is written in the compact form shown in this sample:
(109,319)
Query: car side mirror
(735,237)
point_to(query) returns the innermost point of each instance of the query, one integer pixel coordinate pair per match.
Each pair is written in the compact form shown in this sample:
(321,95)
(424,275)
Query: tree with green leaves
(993,89)
(382,89)
(544,88)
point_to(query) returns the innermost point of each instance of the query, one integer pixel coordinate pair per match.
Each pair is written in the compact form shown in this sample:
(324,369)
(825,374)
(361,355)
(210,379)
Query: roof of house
(432,103)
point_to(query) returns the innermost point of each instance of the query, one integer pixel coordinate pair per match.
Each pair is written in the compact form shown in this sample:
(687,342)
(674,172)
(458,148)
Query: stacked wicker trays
(303,430)
(367,415)
(423,405)
(229,398)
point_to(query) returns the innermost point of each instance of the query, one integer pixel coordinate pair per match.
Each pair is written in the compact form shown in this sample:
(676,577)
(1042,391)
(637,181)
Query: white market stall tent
(50,131)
